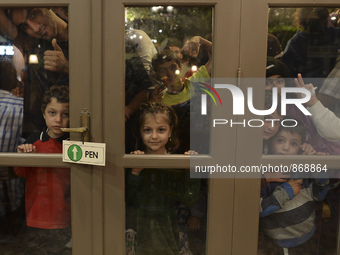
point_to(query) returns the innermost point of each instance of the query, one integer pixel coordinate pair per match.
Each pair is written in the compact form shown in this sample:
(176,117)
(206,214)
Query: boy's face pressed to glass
(171,71)
(56,116)
(286,143)
(155,133)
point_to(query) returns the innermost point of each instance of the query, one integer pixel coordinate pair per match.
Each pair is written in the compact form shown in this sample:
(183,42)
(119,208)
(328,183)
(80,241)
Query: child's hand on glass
(190,152)
(137,171)
(307,149)
(322,153)
(27,148)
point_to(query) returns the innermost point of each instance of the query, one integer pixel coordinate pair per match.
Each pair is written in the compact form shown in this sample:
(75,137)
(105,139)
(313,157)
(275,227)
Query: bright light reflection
(194,68)
(6,50)
(170,8)
(33,59)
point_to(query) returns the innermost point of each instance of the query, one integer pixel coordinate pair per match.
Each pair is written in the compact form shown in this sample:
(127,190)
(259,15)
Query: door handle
(84,130)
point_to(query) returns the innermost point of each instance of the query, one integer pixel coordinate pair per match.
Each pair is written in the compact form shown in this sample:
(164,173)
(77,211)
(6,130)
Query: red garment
(188,74)
(47,198)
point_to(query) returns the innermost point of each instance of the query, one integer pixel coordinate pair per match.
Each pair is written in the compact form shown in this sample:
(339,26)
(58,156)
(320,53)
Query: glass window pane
(305,41)
(164,50)
(35,207)
(166,212)
(299,210)
(165,209)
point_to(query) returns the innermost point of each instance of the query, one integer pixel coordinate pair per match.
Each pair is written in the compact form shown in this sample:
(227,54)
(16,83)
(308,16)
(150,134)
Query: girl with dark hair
(152,195)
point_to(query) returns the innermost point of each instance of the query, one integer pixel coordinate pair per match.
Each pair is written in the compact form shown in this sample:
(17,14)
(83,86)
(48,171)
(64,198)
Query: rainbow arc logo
(206,87)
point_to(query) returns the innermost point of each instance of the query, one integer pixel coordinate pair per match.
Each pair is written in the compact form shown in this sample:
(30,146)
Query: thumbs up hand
(54,60)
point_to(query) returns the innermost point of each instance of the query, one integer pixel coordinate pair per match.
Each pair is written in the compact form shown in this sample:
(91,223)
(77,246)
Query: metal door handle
(85,115)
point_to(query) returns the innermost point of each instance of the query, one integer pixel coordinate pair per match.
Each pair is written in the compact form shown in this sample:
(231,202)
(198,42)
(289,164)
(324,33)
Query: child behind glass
(287,209)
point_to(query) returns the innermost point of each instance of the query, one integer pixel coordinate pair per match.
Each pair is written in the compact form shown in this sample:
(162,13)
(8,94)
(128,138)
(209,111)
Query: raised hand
(300,84)
(54,60)
(192,46)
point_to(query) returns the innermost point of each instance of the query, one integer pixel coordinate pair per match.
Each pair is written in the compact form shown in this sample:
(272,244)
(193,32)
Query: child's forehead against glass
(154,115)
(295,134)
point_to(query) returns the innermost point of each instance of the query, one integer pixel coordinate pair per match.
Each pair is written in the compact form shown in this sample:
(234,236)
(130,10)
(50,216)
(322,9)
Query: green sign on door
(74,152)
(84,153)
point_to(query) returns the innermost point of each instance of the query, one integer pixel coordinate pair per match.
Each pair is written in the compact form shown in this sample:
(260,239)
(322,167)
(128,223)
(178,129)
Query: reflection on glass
(35,212)
(163,50)
(299,210)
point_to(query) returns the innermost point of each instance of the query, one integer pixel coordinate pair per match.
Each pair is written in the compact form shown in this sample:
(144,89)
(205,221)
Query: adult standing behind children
(41,32)
(302,53)
(40,23)
(47,198)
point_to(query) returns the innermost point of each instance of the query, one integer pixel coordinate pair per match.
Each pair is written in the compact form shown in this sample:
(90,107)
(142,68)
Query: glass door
(225,60)
(41,62)
(319,59)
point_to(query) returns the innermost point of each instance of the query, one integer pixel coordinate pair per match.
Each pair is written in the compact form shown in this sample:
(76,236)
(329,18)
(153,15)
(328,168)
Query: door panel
(81,92)
(225,63)
(253,64)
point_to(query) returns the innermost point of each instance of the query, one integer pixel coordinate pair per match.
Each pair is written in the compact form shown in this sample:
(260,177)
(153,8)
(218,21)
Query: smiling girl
(152,194)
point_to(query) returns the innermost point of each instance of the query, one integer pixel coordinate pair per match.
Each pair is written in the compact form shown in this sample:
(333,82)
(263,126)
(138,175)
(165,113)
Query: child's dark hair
(154,108)
(61,93)
(298,129)
(165,56)
(8,75)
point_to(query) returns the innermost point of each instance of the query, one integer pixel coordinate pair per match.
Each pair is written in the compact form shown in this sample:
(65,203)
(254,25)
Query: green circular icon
(74,152)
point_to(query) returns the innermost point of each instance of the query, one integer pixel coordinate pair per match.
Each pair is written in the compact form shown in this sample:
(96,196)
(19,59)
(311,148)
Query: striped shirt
(287,218)
(11,119)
